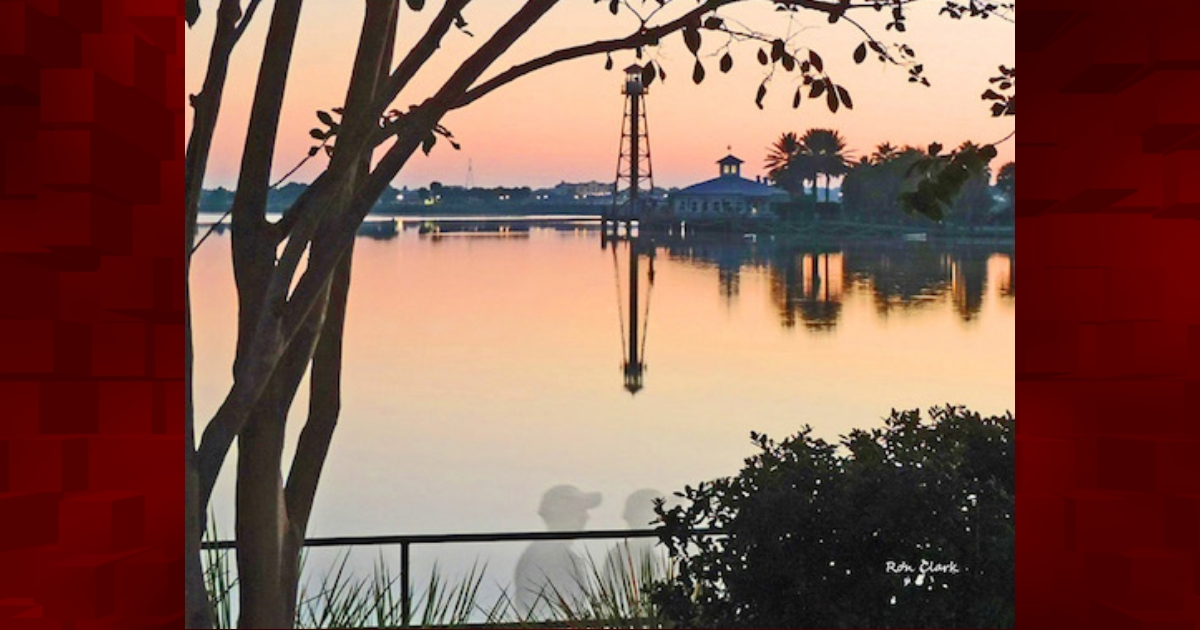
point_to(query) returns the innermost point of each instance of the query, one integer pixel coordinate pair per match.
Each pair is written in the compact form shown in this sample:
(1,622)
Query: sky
(563,123)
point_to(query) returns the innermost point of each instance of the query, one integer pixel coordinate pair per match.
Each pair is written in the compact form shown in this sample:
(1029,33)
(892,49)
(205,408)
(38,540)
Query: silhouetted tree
(828,150)
(871,189)
(790,165)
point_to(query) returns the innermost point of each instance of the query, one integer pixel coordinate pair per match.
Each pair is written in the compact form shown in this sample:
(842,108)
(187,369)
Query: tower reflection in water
(633,313)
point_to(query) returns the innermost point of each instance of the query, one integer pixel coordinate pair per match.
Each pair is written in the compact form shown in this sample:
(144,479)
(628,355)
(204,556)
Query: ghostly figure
(634,560)
(551,571)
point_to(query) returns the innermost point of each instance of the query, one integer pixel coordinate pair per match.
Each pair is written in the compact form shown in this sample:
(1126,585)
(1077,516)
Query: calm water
(482,370)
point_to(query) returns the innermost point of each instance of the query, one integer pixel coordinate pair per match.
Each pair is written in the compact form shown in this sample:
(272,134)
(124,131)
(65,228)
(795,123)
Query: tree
(942,179)
(828,150)
(291,315)
(975,199)
(784,164)
(872,188)
(790,165)
(810,527)
(883,154)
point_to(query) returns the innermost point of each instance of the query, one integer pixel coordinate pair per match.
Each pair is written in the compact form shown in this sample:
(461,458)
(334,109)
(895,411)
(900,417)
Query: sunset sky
(563,123)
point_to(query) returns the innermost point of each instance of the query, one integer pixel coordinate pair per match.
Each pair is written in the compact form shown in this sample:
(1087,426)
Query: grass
(612,595)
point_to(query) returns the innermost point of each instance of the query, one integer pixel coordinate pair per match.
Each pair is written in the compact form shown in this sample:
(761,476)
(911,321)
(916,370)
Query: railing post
(405,601)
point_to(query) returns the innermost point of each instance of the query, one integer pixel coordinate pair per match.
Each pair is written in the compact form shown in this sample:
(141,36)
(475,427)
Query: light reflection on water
(482,371)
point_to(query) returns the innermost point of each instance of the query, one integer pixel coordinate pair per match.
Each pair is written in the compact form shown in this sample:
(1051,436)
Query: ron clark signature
(923,567)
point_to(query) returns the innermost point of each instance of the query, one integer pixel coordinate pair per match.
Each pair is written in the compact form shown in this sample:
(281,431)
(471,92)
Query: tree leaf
(818,88)
(713,22)
(317,133)
(762,93)
(325,118)
(648,73)
(726,63)
(428,142)
(613,5)
(816,60)
(935,149)
(608,62)
(831,100)
(860,53)
(796,99)
(416,5)
(698,72)
(777,50)
(762,57)
(313,151)
(691,37)
(844,97)
(788,61)
(192,12)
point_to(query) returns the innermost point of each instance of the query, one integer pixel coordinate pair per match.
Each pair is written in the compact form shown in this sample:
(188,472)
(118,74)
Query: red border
(1108,486)
(91,362)
(90,329)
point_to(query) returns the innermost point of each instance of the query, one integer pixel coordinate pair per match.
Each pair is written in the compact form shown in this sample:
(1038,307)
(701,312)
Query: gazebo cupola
(730,166)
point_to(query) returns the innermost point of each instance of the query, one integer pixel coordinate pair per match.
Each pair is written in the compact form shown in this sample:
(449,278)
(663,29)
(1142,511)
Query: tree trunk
(207,105)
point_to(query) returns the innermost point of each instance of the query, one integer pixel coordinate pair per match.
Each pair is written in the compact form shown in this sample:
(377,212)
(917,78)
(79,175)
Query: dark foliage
(812,525)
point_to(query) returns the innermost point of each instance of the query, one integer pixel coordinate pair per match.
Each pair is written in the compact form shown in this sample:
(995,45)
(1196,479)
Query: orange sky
(563,123)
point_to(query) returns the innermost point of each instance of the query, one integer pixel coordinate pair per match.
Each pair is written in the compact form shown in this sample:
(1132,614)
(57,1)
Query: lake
(482,369)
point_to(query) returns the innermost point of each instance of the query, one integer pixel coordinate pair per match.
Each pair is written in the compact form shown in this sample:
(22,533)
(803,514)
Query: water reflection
(460,344)
(810,283)
(634,560)
(633,347)
(552,569)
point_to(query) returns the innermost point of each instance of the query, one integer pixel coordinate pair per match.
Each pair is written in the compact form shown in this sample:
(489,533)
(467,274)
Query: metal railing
(408,540)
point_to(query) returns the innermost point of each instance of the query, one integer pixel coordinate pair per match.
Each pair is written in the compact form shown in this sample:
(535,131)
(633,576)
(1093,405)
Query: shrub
(811,527)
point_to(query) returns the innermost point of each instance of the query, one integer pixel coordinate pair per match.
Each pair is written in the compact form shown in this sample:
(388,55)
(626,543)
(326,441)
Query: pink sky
(563,123)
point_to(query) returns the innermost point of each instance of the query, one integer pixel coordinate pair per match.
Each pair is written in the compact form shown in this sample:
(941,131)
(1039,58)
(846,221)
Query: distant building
(583,190)
(727,196)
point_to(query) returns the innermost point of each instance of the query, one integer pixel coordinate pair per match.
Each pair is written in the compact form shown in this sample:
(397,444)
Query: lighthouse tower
(635,179)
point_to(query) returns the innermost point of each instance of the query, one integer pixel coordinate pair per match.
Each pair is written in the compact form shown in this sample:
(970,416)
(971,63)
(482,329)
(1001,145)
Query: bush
(811,527)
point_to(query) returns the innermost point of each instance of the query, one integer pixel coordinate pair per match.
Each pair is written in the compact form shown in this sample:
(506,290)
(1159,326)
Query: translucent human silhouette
(551,571)
(634,560)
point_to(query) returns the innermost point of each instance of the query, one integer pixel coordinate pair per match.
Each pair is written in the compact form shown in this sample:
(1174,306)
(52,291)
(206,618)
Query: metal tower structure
(635,177)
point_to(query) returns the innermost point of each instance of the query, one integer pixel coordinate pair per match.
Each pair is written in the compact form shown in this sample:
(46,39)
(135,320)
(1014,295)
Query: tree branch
(643,37)
(246,17)
(419,53)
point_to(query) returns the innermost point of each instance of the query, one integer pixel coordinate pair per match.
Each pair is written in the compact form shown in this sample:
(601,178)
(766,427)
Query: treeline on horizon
(891,183)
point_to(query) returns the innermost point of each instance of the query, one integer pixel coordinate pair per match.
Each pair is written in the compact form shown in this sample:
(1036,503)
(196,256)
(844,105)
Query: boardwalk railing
(408,540)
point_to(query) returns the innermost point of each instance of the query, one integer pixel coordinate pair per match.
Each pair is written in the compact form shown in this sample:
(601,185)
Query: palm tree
(884,153)
(828,149)
(789,165)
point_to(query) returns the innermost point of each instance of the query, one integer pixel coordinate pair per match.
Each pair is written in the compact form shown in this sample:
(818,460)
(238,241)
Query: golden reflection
(494,362)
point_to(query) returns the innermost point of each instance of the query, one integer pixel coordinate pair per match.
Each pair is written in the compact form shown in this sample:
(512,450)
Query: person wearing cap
(637,557)
(550,571)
